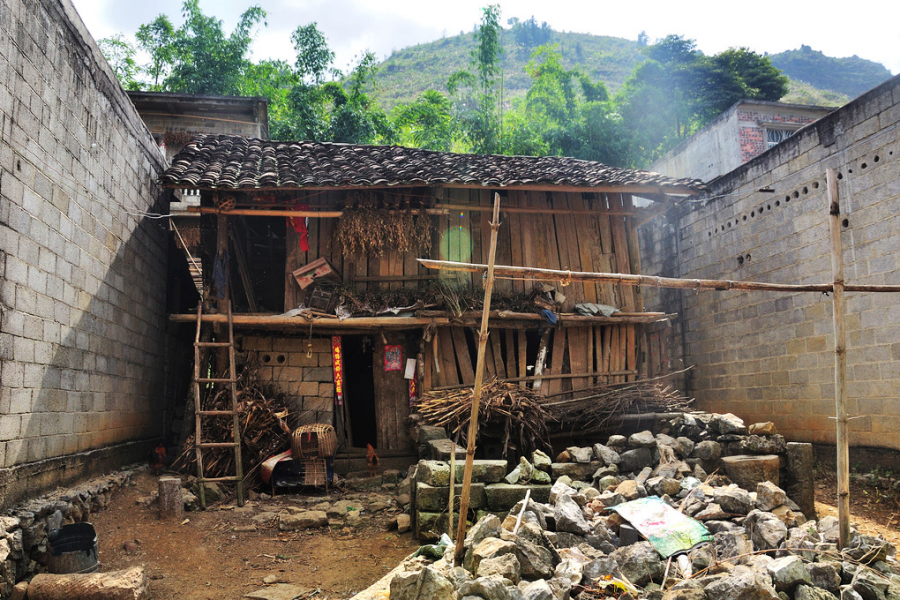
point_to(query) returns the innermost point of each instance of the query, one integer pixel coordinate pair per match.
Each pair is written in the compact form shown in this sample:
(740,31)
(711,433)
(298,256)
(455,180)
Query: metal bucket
(73,549)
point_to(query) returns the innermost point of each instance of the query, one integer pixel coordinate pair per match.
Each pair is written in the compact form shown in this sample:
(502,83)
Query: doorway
(359,389)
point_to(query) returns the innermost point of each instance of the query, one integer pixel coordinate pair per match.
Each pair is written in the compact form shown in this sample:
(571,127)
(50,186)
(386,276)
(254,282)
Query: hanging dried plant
(367,230)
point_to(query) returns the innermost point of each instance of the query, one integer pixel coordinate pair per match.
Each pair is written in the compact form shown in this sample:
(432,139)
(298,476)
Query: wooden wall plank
(514,224)
(578,355)
(499,365)
(447,358)
(428,374)
(556,361)
(620,245)
(634,251)
(510,347)
(504,247)
(588,244)
(462,355)
(479,252)
(528,239)
(522,348)
(631,350)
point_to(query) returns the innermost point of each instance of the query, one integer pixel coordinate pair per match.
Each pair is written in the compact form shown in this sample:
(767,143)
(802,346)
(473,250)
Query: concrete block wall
(301,368)
(82,272)
(769,356)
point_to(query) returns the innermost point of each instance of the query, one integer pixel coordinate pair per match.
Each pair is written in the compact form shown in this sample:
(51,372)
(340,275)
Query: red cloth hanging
(299,225)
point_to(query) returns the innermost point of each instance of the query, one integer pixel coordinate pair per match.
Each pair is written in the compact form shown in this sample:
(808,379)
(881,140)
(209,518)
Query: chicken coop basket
(316,440)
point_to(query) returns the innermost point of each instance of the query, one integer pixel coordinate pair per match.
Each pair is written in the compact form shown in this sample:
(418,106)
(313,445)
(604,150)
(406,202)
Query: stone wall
(302,371)
(769,356)
(82,272)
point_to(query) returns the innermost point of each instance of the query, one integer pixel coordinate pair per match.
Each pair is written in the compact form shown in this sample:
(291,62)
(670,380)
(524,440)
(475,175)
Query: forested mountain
(408,72)
(850,75)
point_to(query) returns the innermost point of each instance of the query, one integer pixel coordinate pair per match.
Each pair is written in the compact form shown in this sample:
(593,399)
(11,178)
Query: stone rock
(570,569)
(731,544)
(536,556)
(569,516)
(538,590)
(563,457)
(642,477)
(868,549)
(490,587)
(628,489)
(540,477)
(848,593)
(503,496)
(789,517)
(279,591)
(632,461)
(610,498)
(869,584)
(302,520)
(427,584)
(687,446)
(727,423)
(639,563)
(787,572)
(522,473)
(488,548)
(487,526)
(562,588)
(505,566)
(606,455)
(560,488)
(574,471)
(712,511)
(808,592)
(825,576)
(748,471)
(403,523)
(606,482)
(617,442)
(684,594)
(541,461)
(600,567)
(756,444)
(733,499)
(769,496)
(767,428)
(766,530)
(744,583)
(19,591)
(642,439)
(800,484)
(708,451)
(668,486)
(580,455)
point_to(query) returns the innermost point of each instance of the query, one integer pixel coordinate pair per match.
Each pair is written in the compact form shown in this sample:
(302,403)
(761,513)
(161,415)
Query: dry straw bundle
(366,229)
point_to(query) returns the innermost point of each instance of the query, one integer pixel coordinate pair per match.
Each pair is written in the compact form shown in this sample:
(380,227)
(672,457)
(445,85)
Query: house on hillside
(769,357)
(274,213)
(741,133)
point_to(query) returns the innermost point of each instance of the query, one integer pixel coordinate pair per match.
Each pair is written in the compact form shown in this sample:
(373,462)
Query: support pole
(840,361)
(476,392)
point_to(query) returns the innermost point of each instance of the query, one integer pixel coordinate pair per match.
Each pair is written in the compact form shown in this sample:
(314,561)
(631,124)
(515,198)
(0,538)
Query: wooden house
(274,208)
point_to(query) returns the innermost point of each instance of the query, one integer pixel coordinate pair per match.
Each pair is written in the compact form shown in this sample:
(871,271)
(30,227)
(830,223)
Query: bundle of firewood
(509,413)
(601,407)
(264,428)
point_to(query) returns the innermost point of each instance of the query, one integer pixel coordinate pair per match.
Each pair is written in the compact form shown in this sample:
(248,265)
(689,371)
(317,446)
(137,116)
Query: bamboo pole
(649,280)
(840,361)
(476,392)
(452,488)
(540,377)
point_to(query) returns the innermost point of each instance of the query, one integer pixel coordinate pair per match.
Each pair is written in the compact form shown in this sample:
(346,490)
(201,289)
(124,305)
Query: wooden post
(541,359)
(171,503)
(476,392)
(840,361)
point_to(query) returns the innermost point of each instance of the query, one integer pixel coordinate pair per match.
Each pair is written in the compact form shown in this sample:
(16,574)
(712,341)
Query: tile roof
(228,162)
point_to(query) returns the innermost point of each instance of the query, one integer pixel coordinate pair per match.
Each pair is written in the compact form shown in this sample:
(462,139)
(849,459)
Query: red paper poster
(337,364)
(392,358)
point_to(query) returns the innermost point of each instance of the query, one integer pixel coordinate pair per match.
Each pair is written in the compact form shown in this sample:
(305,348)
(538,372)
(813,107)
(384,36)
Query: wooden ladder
(199,413)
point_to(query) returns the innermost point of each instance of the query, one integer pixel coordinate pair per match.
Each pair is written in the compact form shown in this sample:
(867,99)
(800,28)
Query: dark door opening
(359,389)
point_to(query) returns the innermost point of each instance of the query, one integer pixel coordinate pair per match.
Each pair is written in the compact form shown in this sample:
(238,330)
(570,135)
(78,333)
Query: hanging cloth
(299,225)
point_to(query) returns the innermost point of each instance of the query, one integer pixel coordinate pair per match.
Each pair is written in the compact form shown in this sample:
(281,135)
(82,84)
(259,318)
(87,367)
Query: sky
(382,26)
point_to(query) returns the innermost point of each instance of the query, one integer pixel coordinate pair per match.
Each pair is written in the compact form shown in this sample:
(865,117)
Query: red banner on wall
(337,365)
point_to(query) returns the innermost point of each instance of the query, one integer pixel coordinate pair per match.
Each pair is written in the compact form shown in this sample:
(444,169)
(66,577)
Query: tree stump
(128,584)
(171,501)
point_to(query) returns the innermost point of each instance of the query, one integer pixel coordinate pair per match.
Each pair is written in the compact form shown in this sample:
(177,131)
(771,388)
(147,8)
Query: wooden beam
(840,361)
(652,281)
(476,391)
(649,191)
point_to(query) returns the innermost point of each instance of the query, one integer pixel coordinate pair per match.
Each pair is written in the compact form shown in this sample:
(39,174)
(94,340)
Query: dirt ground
(206,559)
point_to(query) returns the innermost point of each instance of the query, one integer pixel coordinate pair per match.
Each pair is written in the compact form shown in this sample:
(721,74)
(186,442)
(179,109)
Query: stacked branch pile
(264,428)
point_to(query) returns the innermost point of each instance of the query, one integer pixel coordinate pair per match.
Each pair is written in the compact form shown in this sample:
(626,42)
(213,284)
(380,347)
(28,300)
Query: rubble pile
(750,489)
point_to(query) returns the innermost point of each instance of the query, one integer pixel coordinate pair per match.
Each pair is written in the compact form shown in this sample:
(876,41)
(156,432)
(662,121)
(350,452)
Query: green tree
(759,78)
(273,80)
(205,60)
(156,38)
(479,110)
(427,122)
(120,53)
(314,57)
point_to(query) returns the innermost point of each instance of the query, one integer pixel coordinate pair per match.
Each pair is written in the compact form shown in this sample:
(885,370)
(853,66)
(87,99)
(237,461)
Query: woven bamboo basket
(316,440)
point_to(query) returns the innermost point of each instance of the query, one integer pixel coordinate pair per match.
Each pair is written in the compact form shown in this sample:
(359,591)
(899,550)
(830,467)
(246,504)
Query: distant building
(174,118)
(744,131)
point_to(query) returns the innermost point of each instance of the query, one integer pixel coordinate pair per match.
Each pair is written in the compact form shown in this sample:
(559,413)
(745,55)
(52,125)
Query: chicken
(371,460)
(158,458)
